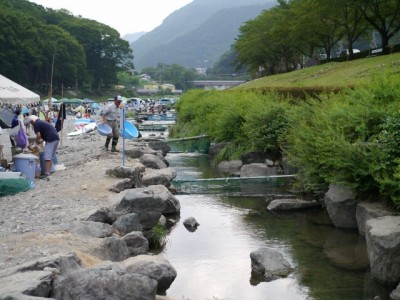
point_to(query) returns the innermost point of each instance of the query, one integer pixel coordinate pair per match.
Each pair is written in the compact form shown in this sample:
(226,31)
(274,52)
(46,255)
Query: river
(213,263)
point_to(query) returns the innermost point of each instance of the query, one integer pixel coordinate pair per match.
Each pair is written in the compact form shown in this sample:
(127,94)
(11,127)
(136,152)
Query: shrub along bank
(351,137)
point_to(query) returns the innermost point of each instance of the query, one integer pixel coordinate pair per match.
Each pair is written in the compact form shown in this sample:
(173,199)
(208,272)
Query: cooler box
(42,164)
(26,164)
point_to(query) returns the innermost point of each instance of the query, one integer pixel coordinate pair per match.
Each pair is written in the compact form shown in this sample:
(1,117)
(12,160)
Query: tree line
(278,39)
(34,40)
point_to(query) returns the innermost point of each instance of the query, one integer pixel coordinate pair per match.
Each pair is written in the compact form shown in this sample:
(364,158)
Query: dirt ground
(71,194)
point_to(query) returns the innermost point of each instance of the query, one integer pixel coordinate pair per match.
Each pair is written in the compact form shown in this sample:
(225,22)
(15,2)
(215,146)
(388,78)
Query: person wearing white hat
(48,133)
(110,116)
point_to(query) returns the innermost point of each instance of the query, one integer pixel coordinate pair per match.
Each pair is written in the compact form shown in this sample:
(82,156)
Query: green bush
(385,167)
(266,123)
(331,140)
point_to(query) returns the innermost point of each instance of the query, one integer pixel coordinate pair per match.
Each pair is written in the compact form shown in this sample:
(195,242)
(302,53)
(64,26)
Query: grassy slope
(331,75)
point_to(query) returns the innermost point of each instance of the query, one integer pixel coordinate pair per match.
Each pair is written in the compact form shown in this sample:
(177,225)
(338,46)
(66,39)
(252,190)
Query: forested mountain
(197,34)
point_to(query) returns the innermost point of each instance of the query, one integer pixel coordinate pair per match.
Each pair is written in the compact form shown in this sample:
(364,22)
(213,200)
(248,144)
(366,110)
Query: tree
(70,62)
(263,44)
(177,75)
(225,67)
(350,19)
(19,52)
(384,16)
(106,52)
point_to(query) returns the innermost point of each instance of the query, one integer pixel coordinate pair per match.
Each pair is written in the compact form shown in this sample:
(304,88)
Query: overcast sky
(126,16)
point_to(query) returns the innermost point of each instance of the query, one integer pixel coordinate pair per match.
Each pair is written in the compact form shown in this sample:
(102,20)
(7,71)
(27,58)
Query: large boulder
(95,284)
(153,161)
(231,167)
(136,242)
(155,267)
(257,170)
(270,264)
(127,223)
(149,203)
(111,248)
(32,283)
(137,152)
(341,205)
(159,145)
(134,174)
(62,263)
(160,176)
(370,210)
(33,280)
(291,204)
(103,215)
(383,243)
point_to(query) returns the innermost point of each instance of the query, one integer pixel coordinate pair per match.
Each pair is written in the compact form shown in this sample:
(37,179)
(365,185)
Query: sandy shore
(69,195)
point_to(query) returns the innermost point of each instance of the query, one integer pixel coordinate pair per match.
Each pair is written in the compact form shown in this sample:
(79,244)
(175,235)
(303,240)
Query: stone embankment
(379,224)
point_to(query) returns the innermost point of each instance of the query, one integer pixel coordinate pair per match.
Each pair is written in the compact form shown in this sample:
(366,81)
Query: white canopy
(15,94)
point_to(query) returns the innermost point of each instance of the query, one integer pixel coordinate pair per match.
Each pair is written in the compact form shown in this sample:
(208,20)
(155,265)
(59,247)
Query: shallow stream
(214,261)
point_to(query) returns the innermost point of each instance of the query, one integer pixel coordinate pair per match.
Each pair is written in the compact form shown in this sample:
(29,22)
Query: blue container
(104,129)
(43,166)
(26,164)
(130,131)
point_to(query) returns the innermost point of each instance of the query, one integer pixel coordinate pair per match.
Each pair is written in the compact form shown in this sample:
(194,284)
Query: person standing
(18,135)
(110,115)
(14,123)
(47,132)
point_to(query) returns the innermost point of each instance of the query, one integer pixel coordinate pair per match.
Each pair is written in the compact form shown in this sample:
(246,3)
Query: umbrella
(80,108)
(87,101)
(53,100)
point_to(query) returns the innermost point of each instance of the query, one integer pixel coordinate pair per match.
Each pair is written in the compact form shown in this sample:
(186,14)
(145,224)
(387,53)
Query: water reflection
(214,261)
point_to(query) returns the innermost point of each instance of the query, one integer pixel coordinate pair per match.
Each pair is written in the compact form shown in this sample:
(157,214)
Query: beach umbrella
(87,101)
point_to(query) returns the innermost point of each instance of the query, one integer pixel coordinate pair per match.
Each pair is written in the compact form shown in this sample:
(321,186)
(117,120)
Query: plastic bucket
(130,131)
(26,164)
(104,129)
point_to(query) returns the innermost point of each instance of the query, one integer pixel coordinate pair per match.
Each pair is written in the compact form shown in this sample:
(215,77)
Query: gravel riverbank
(26,218)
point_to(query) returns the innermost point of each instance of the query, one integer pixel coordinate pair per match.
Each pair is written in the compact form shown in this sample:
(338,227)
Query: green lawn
(331,75)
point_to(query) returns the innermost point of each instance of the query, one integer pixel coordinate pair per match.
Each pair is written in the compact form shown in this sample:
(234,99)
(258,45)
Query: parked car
(346,52)
(165,101)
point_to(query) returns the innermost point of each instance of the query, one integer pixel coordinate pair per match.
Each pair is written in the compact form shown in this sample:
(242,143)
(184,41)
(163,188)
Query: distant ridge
(197,34)
(131,37)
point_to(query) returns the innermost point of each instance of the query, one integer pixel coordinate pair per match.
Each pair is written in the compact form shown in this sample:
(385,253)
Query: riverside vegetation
(345,129)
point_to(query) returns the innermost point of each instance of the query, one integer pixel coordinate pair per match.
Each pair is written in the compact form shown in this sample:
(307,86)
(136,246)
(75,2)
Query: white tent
(15,94)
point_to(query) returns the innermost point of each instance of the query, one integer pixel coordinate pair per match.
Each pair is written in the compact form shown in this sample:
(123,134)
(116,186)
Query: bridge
(216,84)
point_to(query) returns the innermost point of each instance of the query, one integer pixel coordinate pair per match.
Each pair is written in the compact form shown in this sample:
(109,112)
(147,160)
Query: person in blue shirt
(47,132)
